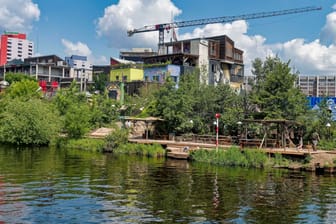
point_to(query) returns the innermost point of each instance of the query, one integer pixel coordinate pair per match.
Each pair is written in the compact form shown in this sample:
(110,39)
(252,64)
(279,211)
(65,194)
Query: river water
(70,186)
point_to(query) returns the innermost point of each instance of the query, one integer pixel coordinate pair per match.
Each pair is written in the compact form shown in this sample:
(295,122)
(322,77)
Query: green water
(70,186)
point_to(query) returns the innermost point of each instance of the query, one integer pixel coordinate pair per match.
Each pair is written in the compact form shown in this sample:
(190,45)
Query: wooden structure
(276,134)
(148,122)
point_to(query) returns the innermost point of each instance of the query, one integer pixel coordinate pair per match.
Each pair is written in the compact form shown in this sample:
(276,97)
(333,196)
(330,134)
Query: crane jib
(224,19)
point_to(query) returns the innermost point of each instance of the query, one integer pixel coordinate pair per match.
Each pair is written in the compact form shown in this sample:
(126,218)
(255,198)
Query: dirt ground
(323,159)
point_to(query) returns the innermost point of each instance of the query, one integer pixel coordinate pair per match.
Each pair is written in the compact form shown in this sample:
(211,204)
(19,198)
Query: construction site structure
(224,19)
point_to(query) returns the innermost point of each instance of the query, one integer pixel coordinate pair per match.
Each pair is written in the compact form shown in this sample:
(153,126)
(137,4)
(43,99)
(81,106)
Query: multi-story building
(81,66)
(15,46)
(125,71)
(50,71)
(317,85)
(216,57)
(137,54)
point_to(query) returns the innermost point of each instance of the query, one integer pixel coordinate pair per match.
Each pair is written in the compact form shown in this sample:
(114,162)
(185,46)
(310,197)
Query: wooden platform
(176,149)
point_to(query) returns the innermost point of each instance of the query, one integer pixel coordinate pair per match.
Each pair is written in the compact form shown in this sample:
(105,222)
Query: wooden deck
(181,149)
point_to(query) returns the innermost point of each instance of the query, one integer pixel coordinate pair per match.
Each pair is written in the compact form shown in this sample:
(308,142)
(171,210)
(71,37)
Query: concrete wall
(132,74)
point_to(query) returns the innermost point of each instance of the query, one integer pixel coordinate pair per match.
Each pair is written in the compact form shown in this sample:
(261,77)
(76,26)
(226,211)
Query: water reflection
(70,186)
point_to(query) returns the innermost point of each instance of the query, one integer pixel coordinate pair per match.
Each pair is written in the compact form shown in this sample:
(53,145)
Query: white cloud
(18,15)
(130,14)
(316,57)
(328,34)
(78,48)
(82,49)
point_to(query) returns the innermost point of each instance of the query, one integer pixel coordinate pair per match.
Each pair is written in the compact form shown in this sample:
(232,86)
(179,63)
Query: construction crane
(224,19)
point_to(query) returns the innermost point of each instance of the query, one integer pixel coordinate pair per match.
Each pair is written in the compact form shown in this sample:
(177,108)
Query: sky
(98,28)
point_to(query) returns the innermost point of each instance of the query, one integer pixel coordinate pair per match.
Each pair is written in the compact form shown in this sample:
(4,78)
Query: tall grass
(83,144)
(154,150)
(231,157)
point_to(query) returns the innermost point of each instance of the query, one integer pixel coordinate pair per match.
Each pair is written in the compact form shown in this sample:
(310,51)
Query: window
(117,77)
(213,67)
(124,78)
(156,78)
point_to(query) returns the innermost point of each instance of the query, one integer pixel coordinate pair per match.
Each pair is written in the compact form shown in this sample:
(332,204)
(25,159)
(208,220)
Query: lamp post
(217,116)
(328,125)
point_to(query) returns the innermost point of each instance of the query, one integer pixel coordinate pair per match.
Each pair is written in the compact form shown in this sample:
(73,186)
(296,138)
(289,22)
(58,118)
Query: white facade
(19,49)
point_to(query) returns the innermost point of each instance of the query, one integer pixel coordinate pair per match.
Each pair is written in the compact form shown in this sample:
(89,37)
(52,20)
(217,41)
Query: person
(315,140)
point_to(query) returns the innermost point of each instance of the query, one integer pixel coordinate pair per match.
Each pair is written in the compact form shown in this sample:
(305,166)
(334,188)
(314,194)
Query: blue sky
(97,29)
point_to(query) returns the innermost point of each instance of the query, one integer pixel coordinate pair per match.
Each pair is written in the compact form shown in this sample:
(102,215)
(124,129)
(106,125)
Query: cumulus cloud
(130,14)
(328,33)
(82,49)
(316,57)
(18,15)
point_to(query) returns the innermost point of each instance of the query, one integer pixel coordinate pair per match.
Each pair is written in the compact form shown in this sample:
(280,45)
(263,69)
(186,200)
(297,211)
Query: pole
(217,134)
(217,129)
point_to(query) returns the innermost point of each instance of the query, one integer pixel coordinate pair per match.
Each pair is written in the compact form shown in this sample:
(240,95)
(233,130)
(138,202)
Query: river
(71,186)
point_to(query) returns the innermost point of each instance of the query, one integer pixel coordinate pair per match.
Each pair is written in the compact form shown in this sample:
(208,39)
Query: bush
(85,144)
(231,157)
(31,122)
(77,121)
(154,150)
(117,138)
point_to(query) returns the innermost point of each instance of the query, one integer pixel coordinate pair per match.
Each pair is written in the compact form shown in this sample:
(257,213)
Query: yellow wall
(133,74)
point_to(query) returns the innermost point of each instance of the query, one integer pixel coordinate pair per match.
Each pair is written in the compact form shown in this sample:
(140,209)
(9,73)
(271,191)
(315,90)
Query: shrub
(31,122)
(117,138)
(87,144)
(154,150)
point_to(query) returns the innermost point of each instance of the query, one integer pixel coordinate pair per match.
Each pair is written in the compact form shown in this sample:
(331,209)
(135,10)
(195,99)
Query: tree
(274,92)
(76,120)
(31,122)
(25,89)
(17,77)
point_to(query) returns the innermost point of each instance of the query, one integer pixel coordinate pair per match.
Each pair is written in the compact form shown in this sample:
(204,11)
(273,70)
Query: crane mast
(224,19)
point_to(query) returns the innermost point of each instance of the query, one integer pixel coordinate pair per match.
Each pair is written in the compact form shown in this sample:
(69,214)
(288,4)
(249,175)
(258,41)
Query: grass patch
(234,157)
(88,144)
(154,150)
(231,157)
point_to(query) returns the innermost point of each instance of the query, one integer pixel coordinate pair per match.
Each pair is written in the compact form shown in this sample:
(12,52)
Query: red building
(14,46)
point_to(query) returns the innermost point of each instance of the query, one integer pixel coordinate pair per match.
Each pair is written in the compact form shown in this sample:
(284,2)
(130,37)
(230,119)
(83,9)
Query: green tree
(77,120)
(274,92)
(17,77)
(31,122)
(25,89)
(103,110)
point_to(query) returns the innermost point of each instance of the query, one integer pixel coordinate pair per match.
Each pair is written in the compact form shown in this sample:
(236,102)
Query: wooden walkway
(181,149)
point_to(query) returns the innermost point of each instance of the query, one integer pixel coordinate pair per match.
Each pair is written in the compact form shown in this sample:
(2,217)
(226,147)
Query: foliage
(18,77)
(87,144)
(153,150)
(191,107)
(31,122)
(65,98)
(25,89)
(279,160)
(274,91)
(117,138)
(231,157)
(326,144)
(76,120)
(103,110)
(100,82)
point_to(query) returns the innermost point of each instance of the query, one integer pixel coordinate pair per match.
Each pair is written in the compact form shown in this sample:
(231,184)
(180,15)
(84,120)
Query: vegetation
(86,144)
(154,150)
(190,108)
(231,157)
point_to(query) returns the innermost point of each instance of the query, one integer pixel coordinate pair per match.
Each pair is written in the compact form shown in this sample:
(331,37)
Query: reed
(154,150)
(231,157)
